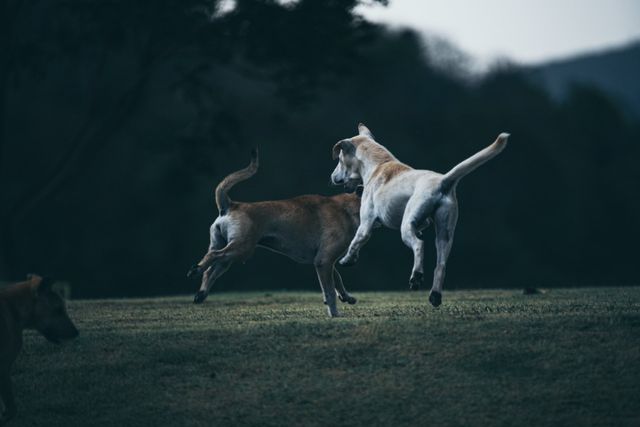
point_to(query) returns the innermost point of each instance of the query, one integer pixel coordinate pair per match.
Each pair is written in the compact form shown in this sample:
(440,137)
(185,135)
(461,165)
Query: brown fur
(309,229)
(27,305)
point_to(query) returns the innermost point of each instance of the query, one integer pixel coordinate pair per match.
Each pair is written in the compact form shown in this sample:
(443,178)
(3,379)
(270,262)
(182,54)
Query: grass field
(568,357)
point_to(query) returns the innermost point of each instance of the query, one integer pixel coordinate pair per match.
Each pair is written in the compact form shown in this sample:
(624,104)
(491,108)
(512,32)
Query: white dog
(401,197)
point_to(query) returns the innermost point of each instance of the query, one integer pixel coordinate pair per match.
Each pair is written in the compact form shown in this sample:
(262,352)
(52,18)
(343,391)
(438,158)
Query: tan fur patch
(388,170)
(373,151)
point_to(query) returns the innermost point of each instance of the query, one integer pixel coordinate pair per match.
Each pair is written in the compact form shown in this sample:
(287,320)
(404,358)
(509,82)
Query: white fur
(410,201)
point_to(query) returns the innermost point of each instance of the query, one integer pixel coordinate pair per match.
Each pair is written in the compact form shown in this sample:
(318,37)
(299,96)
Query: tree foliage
(118,118)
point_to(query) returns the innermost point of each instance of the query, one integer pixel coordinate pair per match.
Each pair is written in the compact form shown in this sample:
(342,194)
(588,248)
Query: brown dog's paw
(200,297)
(193,271)
(349,299)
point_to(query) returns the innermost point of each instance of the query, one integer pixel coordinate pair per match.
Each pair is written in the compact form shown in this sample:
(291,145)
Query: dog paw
(348,261)
(200,297)
(334,313)
(416,281)
(348,298)
(193,271)
(435,298)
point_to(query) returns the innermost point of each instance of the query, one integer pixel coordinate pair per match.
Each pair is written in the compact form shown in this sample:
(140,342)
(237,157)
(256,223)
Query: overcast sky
(526,31)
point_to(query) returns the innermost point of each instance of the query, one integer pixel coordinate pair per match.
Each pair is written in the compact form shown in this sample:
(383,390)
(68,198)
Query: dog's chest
(390,208)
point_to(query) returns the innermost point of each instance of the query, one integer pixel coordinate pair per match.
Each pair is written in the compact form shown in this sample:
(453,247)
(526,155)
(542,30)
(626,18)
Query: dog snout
(334,181)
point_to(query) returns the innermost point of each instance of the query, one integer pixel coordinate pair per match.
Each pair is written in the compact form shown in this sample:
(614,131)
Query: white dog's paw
(416,281)
(435,298)
(348,260)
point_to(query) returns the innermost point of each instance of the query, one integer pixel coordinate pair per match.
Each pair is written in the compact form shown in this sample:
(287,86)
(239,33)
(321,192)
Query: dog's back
(299,227)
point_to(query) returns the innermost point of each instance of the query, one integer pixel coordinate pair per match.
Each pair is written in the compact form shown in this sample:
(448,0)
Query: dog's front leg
(325,277)
(361,237)
(342,291)
(6,393)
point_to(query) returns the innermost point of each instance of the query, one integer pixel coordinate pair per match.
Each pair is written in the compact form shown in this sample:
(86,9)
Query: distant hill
(616,72)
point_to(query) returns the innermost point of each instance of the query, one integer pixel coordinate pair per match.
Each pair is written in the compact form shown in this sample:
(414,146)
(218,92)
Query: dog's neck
(20,300)
(371,155)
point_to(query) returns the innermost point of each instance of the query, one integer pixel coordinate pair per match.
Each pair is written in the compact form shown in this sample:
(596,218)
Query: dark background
(118,118)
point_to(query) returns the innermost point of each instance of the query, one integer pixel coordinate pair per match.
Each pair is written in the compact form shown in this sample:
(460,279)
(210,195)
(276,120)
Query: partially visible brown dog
(28,305)
(309,229)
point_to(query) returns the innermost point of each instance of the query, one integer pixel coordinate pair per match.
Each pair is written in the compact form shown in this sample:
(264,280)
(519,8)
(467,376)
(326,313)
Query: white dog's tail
(222,199)
(451,178)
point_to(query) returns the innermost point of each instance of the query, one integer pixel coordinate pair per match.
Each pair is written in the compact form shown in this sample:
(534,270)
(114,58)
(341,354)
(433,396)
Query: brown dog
(28,305)
(309,229)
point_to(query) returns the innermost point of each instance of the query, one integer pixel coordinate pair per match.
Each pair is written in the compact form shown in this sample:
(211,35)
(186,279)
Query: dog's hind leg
(415,219)
(218,242)
(411,239)
(445,219)
(6,393)
(325,277)
(343,295)
(209,278)
(207,260)
(217,262)
(236,250)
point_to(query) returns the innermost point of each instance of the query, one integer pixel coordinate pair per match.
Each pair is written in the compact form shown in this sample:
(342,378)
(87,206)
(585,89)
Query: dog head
(347,172)
(50,316)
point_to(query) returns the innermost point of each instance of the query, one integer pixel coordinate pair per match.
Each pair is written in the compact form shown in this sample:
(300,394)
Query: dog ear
(364,131)
(345,145)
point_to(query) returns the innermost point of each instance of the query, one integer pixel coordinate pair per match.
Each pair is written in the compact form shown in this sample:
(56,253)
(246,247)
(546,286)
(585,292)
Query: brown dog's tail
(465,167)
(222,199)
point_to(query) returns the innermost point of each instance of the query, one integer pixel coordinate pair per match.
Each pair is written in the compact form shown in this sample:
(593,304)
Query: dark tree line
(118,118)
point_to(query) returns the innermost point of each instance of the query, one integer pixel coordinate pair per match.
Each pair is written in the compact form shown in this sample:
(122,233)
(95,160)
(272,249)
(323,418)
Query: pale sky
(526,31)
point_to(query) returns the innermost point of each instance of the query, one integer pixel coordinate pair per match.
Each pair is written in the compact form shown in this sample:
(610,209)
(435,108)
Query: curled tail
(463,168)
(222,199)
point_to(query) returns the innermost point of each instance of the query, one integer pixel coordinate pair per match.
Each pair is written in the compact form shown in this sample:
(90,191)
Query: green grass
(568,357)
